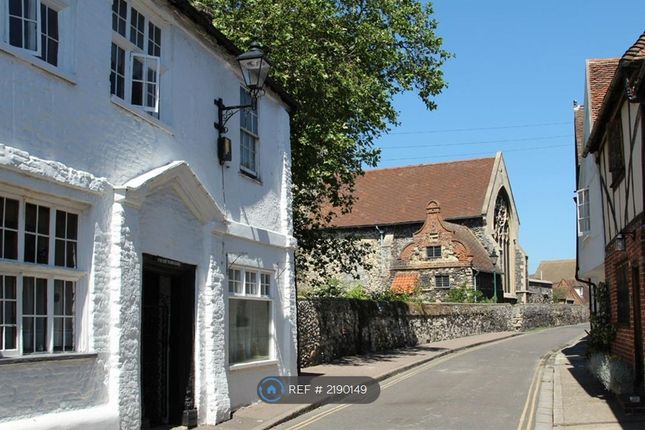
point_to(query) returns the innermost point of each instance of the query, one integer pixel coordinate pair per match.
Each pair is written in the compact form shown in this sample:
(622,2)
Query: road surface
(487,387)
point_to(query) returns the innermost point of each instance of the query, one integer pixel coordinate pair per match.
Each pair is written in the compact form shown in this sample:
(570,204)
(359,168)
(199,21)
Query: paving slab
(379,366)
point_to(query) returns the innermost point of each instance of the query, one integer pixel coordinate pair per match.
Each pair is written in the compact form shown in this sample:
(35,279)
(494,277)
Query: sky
(518,66)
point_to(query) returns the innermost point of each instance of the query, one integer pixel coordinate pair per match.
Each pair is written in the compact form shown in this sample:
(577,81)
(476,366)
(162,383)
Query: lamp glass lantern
(255,68)
(494,257)
(620,242)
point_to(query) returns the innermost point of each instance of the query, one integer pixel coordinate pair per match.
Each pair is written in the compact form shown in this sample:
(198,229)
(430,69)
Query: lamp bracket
(224,113)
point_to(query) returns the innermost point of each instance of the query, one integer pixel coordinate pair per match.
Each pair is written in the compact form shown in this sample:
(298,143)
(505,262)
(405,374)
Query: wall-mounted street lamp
(621,244)
(255,69)
(493,259)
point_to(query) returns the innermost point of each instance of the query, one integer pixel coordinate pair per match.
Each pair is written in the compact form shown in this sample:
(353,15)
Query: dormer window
(433,252)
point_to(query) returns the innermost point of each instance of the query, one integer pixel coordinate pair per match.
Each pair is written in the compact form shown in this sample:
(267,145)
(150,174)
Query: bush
(465,294)
(357,292)
(391,296)
(331,288)
(334,288)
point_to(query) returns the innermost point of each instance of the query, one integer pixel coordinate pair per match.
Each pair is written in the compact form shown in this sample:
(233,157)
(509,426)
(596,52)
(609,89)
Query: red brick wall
(633,256)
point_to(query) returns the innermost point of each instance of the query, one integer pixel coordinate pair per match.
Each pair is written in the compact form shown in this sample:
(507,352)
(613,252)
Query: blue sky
(518,67)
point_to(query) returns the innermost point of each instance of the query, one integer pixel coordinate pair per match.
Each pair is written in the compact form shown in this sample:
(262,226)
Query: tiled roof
(568,287)
(600,74)
(481,257)
(400,195)
(578,123)
(556,271)
(636,51)
(405,282)
(613,90)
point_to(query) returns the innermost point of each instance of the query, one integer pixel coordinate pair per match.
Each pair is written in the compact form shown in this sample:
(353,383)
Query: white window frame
(21,269)
(243,295)
(7,35)
(57,5)
(132,52)
(582,204)
(49,335)
(145,59)
(253,135)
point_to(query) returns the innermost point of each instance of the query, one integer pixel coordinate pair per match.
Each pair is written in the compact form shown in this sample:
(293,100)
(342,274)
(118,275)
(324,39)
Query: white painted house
(141,281)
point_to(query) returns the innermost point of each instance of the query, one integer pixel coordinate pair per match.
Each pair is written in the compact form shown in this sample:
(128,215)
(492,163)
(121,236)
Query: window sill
(25,359)
(250,176)
(141,114)
(16,266)
(248,297)
(38,63)
(253,364)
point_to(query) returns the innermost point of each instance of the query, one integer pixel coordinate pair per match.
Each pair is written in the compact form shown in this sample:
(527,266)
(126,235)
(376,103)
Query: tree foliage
(343,61)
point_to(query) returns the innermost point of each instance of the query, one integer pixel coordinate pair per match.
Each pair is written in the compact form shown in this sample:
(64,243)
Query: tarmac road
(488,387)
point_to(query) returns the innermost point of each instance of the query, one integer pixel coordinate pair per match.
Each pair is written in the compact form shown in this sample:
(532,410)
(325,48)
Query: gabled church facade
(433,227)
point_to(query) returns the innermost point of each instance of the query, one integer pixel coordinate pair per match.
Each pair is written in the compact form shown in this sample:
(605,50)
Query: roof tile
(600,74)
(405,282)
(400,195)
(636,51)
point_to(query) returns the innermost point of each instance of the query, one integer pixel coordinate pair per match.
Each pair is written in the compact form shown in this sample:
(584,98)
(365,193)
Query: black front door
(167,335)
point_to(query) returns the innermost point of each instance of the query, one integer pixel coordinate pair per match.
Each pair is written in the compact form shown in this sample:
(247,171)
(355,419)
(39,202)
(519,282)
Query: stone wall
(332,328)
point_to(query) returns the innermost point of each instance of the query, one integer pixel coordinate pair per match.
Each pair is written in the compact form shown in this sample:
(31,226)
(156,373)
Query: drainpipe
(591,285)
(381,251)
(381,233)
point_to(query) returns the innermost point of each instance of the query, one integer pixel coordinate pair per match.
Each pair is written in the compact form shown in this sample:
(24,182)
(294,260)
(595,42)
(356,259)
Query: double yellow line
(526,422)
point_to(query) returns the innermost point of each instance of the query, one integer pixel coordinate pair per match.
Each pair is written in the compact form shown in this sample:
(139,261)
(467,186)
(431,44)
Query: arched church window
(501,227)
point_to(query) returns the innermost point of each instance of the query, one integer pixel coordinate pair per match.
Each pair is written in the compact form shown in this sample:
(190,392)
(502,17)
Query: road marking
(318,417)
(531,396)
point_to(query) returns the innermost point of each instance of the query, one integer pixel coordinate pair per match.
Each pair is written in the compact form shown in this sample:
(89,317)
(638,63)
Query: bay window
(250,315)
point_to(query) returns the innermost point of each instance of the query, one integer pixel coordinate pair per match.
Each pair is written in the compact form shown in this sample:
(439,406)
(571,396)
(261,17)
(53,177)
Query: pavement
(571,398)
(379,366)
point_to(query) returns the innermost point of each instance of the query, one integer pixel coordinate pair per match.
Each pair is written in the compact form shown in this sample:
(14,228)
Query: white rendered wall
(591,246)
(78,124)
(46,388)
(68,121)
